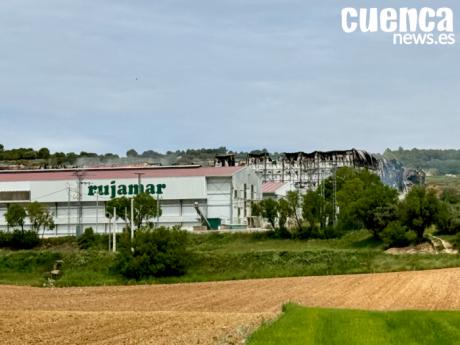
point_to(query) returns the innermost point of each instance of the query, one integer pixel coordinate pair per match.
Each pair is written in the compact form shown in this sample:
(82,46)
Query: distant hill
(435,161)
(28,158)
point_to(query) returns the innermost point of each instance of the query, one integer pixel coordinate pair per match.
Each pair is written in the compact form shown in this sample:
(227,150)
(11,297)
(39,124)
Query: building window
(15,196)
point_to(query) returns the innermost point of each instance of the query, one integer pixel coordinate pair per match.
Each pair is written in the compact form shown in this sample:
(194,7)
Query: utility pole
(139,175)
(80,176)
(139,185)
(68,209)
(132,219)
(158,210)
(114,246)
(265,167)
(334,194)
(97,210)
(110,232)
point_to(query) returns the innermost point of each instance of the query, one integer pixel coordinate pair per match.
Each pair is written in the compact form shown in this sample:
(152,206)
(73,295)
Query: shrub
(87,239)
(318,232)
(281,232)
(449,226)
(5,239)
(28,261)
(51,242)
(397,235)
(24,239)
(153,253)
(332,232)
(306,232)
(457,241)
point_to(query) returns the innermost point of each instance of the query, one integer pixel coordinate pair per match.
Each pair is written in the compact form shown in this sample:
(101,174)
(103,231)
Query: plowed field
(204,313)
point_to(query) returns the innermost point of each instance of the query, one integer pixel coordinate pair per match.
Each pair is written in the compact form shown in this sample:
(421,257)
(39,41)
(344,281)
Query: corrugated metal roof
(114,173)
(272,186)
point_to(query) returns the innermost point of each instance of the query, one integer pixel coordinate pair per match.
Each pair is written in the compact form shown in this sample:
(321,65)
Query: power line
(49,194)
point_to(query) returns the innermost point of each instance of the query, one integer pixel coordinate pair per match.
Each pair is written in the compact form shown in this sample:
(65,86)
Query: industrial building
(276,189)
(188,195)
(305,171)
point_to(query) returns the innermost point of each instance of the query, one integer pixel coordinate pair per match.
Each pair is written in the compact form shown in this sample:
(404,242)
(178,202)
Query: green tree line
(361,201)
(44,157)
(438,161)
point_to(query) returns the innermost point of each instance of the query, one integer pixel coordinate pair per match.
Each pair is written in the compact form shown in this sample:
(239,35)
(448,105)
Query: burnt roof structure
(306,170)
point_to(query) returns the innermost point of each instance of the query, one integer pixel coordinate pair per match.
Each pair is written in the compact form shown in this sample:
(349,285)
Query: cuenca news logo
(409,26)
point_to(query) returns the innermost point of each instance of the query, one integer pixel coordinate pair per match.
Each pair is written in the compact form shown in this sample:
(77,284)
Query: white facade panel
(173,188)
(226,197)
(14,186)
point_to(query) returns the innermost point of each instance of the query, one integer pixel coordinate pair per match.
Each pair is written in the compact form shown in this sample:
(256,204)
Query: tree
(15,216)
(87,240)
(35,211)
(154,252)
(419,210)
(145,207)
(376,207)
(43,153)
(364,200)
(59,158)
(311,208)
(151,154)
(47,221)
(132,153)
(268,209)
(71,157)
(293,199)
(88,154)
(29,154)
(284,210)
(382,216)
(39,216)
(123,208)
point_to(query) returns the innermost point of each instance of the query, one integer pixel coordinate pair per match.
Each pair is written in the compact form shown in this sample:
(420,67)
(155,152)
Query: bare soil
(435,246)
(204,313)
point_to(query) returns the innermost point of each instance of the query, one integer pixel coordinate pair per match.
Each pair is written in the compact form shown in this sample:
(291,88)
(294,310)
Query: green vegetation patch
(300,325)
(215,256)
(25,267)
(263,241)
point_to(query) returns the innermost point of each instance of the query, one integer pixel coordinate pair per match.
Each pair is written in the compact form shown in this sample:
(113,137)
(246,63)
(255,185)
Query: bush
(5,239)
(317,232)
(332,232)
(397,235)
(24,239)
(87,239)
(450,226)
(51,242)
(153,253)
(457,241)
(28,261)
(305,232)
(280,233)
(19,239)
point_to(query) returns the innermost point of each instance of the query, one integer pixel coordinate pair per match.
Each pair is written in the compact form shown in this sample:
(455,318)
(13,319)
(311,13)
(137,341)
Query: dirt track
(204,313)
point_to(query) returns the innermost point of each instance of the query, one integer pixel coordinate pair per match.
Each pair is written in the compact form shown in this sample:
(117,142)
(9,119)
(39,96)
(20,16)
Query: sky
(110,75)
